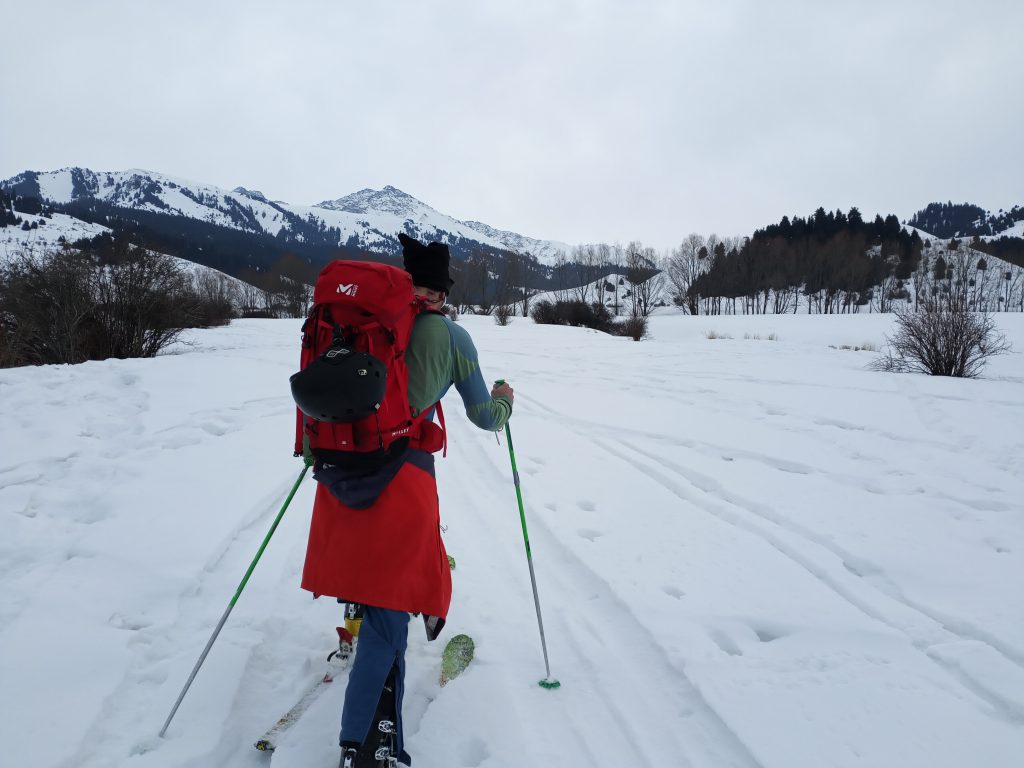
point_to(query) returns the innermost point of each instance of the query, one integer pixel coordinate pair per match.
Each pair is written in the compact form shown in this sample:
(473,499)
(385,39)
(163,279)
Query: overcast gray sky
(574,120)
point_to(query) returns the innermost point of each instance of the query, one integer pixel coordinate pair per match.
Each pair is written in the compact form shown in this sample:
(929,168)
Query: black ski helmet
(340,386)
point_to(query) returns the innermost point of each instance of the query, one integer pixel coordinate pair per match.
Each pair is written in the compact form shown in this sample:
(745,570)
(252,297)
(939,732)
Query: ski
(337,662)
(456,657)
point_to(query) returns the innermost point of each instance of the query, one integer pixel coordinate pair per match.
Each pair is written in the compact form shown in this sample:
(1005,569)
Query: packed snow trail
(748,553)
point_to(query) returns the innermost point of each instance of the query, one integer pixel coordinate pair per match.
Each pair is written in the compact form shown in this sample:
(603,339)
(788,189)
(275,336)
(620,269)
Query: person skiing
(375,535)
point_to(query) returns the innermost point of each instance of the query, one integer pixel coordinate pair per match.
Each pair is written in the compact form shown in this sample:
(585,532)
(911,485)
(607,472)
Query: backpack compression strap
(444,430)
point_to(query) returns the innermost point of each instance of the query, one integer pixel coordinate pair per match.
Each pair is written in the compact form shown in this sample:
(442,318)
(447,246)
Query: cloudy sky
(574,120)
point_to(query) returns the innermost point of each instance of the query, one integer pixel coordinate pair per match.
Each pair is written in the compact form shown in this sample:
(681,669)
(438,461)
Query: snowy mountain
(368,220)
(387,200)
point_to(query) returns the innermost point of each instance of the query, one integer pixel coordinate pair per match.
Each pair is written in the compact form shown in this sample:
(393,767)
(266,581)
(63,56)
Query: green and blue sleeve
(441,353)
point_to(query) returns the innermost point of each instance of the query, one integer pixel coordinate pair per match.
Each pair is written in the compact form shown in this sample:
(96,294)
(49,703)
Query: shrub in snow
(503,314)
(944,339)
(69,306)
(585,315)
(635,327)
(576,313)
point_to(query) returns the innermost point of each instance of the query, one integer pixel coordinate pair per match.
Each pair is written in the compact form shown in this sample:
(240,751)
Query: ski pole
(548,682)
(238,592)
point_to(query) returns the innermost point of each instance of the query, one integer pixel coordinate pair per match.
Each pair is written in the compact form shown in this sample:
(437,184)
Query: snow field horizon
(749,552)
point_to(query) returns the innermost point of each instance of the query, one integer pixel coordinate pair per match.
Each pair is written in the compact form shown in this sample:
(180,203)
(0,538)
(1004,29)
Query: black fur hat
(428,264)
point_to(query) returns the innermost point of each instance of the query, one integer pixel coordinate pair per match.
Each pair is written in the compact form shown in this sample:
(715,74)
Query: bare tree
(475,286)
(1012,280)
(219,293)
(584,258)
(517,274)
(645,278)
(250,296)
(511,277)
(563,288)
(652,290)
(617,257)
(685,264)
(504,302)
(295,284)
(602,265)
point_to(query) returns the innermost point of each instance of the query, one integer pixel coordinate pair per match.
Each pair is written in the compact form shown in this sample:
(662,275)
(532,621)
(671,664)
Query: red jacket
(389,555)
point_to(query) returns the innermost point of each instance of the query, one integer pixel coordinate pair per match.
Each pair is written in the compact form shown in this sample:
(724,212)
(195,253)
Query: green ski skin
(456,657)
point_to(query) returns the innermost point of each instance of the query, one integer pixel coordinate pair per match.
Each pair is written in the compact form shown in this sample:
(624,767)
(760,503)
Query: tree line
(948,220)
(836,261)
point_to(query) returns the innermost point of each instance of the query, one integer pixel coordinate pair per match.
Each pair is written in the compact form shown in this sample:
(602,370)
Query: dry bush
(576,313)
(634,327)
(865,347)
(944,339)
(503,313)
(69,306)
(588,315)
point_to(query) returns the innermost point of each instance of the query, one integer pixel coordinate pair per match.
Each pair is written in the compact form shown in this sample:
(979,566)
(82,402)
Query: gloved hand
(501,388)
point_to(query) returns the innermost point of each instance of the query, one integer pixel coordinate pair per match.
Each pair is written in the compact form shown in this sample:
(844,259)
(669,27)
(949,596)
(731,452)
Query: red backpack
(366,308)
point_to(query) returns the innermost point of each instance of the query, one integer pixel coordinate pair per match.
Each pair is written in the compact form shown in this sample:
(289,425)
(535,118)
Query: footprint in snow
(586,505)
(726,643)
(589,534)
(217,430)
(473,752)
(765,636)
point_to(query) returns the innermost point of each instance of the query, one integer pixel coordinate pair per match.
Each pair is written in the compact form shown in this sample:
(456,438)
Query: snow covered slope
(750,554)
(53,230)
(369,219)
(48,233)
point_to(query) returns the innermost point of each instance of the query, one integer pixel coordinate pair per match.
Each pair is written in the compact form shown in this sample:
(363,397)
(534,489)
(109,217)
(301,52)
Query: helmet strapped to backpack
(341,385)
(352,389)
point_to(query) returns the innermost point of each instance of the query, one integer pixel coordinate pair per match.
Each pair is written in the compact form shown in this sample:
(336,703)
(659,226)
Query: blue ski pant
(383,638)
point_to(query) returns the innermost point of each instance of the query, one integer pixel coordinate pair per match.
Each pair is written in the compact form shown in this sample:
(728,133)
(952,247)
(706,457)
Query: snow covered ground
(749,552)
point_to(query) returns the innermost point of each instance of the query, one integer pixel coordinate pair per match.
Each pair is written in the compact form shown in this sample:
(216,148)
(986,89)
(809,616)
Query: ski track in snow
(675,711)
(841,571)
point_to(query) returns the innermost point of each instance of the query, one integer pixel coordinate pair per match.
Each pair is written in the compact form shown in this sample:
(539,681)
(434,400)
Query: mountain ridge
(364,221)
